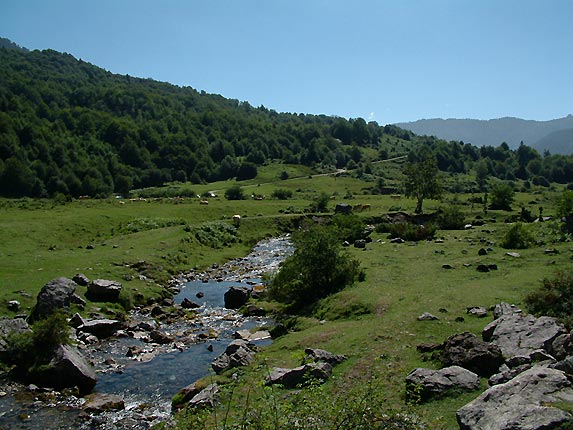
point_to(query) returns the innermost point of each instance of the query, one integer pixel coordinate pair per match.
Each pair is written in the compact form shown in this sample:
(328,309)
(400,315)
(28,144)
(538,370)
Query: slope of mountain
(493,132)
(558,142)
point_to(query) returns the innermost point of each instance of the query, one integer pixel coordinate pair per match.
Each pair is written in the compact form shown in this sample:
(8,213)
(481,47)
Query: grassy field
(373,322)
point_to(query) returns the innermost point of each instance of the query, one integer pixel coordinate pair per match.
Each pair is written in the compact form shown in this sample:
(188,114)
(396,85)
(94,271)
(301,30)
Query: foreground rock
(68,368)
(527,402)
(56,294)
(238,353)
(299,376)
(424,384)
(467,351)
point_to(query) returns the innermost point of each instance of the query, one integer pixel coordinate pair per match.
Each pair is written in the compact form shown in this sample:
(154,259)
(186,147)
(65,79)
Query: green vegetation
(554,298)
(421,179)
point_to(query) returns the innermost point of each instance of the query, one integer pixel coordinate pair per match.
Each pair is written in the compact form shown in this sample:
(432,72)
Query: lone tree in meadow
(422,179)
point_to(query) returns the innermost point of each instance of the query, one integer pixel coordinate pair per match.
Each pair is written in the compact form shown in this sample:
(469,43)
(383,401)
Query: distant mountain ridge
(513,131)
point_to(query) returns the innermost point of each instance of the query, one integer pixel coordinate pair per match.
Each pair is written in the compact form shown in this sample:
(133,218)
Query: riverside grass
(373,322)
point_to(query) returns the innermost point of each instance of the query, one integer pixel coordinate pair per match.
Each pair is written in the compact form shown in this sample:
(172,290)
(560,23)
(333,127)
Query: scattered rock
(447,266)
(505,309)
(513,254)
(206,398)
(160,337)
(482,251)
(397,240)
(184,395)
(426,316)
(299,376)
(238,353)
(81,279)
(360,243)
(254,311)
(477,311)
(56,294)
(102,328)
(188,304)
(236,297)
(482,268)
(424,384)
(102,290)
(251,337)
(320,355)
(101,402)
(526,402)
(468,351)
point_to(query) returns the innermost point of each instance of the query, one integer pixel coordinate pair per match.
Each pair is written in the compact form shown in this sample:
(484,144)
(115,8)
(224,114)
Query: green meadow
(373,322)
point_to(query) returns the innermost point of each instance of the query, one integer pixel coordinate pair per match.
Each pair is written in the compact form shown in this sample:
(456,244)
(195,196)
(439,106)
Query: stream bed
(147,375)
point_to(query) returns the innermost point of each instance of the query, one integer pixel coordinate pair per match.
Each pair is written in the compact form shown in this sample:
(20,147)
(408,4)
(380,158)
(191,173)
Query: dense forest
(69,127)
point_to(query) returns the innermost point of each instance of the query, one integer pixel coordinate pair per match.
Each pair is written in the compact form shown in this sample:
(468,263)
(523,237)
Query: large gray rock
(299,376)
(526,402)
(424,384)
(467,351)
(56,294)
(206,398)
(101,328)
(520,335)
(103,290)
(68,368)
(236,297)
(237,354)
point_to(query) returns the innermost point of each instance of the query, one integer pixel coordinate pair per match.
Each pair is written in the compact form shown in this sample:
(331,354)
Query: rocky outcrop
(299,376)
(68,368)
(102,290)
(238,353)
(56,294)
(236,297)
(424,384)
(527,402)
(520,335)
(468,351)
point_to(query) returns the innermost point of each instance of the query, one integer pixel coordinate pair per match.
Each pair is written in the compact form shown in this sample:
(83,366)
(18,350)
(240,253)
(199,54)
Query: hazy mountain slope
(558,142)
(491,132)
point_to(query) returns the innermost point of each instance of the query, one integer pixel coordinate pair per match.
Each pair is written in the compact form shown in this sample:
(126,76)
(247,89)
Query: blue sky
(385,60)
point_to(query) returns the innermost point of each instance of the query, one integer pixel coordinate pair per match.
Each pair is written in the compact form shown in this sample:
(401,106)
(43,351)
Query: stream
(147,375)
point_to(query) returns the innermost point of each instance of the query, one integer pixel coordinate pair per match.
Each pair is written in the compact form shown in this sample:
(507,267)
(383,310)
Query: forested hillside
(68,127)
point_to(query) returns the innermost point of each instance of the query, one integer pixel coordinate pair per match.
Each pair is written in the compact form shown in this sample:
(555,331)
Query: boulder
(7,327)
(238,353)
(320,355)
(161,338)
(102,290)
(424,384)
(360,243)
(68,368)
(206,398)
(102,328)
(56,294)
(81,279)
(251,337)
(467,351)
(236,297)
(101,402)
(188,304)
(526,402)
(13,305)
(299,376)
(343,208)
(519,335)
(184,395)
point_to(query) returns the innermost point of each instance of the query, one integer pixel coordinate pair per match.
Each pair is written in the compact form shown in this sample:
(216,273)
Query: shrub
(518,237)
(554,298)
(349,227)
(565,204)
(215,234)
(320,204)
(234,193)
(412,232)
(317,269)
(281,194)
(451,218)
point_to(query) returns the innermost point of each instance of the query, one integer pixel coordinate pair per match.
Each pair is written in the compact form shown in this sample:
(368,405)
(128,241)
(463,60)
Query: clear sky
(383,60)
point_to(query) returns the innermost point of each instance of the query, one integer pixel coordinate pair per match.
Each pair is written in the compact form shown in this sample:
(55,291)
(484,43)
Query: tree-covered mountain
(558,142)
(493,132)
(70,127)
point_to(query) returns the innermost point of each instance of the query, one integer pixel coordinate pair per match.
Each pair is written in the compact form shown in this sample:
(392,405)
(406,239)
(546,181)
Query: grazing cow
(204,202)
(237,220)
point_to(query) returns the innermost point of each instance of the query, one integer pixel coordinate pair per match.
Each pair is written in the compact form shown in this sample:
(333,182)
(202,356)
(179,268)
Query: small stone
(426,316)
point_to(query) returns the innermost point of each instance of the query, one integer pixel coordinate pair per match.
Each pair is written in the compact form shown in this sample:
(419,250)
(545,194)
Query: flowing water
(148,380)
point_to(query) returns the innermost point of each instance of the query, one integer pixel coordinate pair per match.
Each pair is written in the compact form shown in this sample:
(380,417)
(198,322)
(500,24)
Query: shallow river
(148,382)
